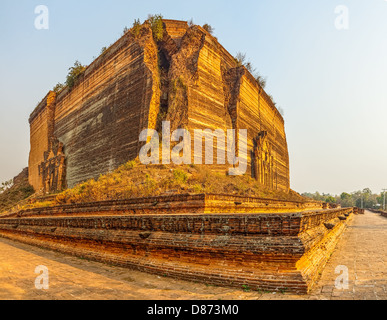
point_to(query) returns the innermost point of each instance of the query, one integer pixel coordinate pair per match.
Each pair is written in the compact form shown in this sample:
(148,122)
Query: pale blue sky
(331,84)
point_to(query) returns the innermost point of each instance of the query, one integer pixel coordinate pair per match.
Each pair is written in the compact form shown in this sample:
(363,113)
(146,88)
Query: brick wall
(264,251)
(187,78)
(174,204)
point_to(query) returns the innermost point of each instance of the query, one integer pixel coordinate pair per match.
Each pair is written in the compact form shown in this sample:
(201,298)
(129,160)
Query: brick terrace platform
(362,249)
(249,242)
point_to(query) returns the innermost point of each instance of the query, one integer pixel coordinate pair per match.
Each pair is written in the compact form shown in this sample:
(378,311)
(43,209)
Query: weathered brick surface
(265,251)
(187,78)
(176,204)
(361,249)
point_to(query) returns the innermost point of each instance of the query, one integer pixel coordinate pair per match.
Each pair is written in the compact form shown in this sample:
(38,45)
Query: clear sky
(330,82)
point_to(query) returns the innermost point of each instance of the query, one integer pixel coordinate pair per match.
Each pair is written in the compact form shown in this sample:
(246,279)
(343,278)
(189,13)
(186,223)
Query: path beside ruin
(362,250)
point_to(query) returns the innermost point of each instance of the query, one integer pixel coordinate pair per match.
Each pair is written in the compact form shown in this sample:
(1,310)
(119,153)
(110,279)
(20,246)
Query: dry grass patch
(135,180)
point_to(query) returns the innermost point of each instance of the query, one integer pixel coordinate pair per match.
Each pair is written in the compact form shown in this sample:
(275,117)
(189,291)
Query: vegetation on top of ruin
(241,60)
(74,73)
(136,28)
(135,180)
(58,87)
(272,99)
(103,50)
(157,26)
(208,28)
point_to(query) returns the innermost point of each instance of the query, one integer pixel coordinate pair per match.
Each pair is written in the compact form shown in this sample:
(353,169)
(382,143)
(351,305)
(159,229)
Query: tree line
(361,199)
(6,185)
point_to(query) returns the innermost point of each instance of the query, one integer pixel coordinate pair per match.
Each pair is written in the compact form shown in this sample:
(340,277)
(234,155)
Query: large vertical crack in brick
(151,61)
(182,74)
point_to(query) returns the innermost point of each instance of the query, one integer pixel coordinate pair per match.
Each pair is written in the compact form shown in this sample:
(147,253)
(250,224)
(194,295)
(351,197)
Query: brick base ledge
(282,253)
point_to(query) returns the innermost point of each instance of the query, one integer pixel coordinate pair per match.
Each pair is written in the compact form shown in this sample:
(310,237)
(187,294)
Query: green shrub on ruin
(136,28)
(103,50)
(246,288)
(272,99)
(261,80)
(74,74)
(180,176)
(241,60)
(208,28)
(197,188)
(58,87)
(157,26)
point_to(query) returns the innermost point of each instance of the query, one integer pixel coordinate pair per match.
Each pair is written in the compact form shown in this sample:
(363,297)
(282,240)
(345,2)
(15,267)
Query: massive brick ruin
(187,78)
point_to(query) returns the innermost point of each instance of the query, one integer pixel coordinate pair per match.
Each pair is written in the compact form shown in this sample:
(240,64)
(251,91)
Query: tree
(346,200)
(369,200)
(330,199)
(380,199)
(316,196)
(364,198)
(6,185)
(345,196)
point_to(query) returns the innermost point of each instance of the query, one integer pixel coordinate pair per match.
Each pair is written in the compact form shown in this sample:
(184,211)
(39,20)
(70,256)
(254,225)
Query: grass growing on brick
(134,180)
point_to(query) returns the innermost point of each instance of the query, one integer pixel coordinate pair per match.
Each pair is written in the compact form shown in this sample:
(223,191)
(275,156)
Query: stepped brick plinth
(185,237)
